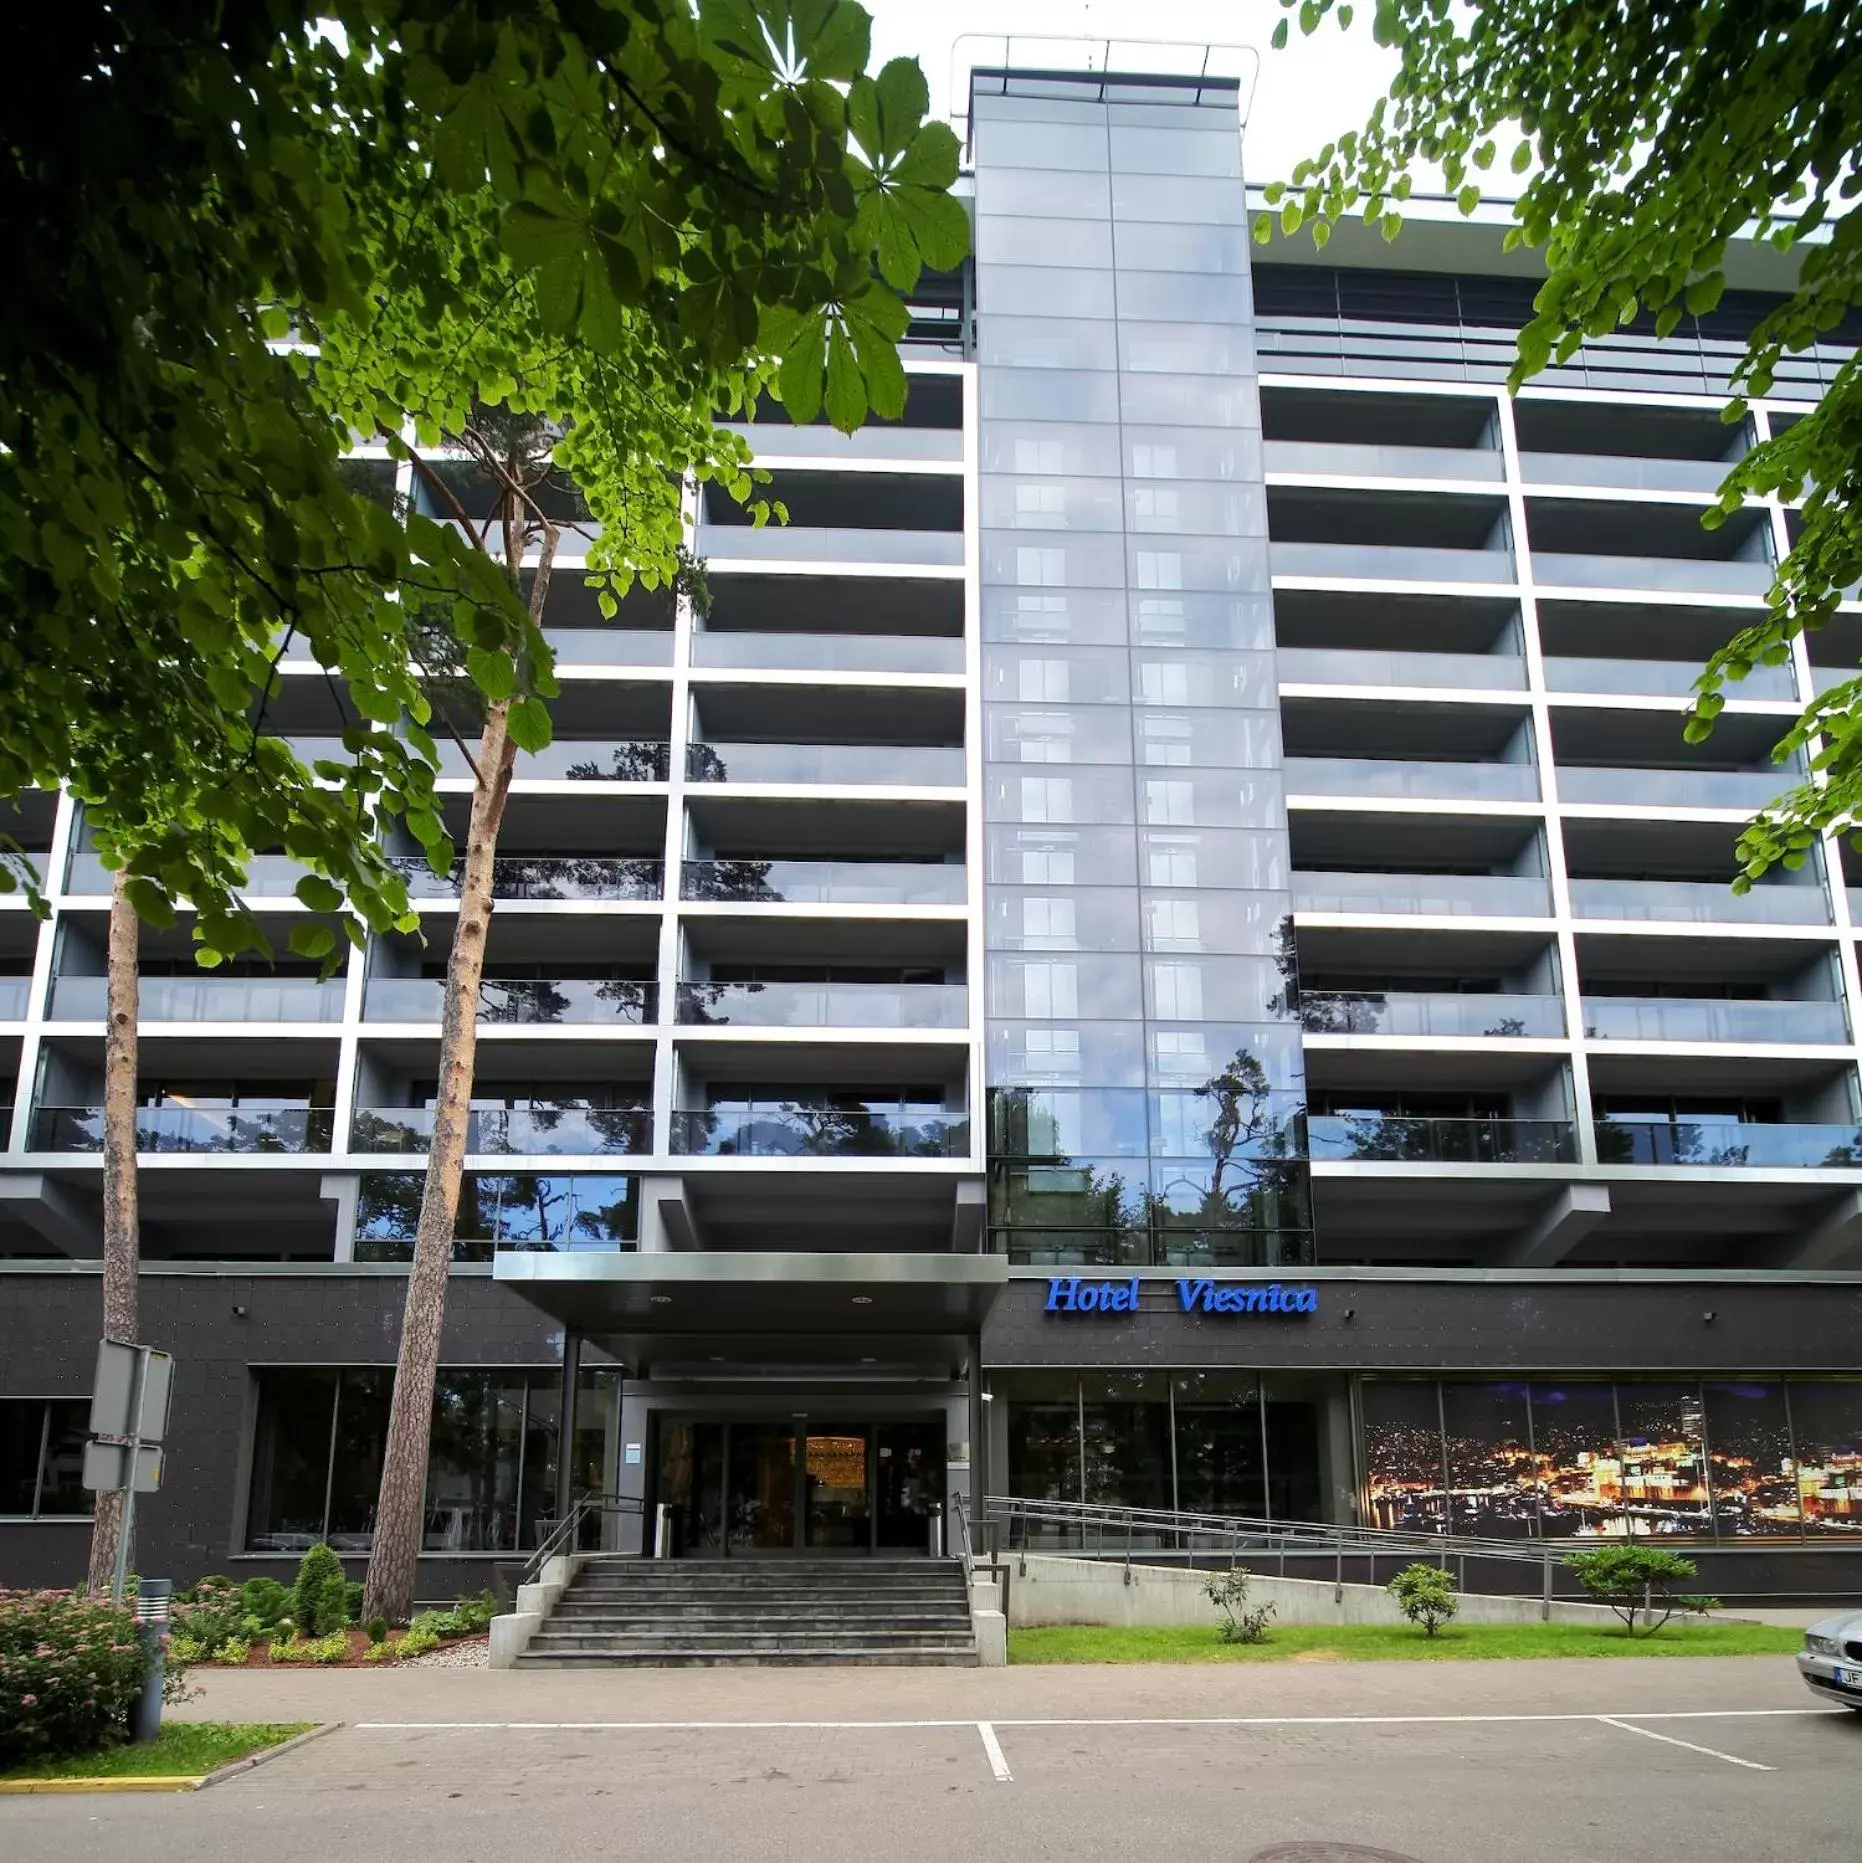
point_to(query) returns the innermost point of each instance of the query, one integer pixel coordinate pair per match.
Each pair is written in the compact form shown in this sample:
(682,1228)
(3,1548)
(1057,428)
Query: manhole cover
(1328,1853)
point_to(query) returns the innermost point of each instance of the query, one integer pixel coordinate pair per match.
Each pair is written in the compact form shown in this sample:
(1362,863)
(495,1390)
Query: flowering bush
(69,1669)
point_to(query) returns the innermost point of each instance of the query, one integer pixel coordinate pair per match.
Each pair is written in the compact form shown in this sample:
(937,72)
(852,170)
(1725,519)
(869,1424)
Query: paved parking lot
(1666,1761)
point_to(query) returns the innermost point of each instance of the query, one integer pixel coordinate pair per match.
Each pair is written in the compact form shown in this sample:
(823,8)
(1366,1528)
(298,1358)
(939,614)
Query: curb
(234,1767)
(147,1782)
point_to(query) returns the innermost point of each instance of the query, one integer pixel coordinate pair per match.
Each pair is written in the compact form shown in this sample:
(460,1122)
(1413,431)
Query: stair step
(771,1659)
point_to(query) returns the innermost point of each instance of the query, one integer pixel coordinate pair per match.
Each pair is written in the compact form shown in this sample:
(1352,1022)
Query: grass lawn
(182,1749)
(1394,1642)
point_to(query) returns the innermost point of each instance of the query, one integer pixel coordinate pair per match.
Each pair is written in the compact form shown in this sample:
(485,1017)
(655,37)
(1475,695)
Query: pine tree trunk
(400,1512)
(122,1248)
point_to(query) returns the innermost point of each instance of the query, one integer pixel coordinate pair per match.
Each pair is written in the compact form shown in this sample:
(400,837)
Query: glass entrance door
(837,1509)
(759,1492)
(908,1483)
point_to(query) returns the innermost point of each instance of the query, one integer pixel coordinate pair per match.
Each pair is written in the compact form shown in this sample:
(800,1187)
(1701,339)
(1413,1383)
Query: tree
(1424,1595)
(1238,1621)
(181,192)
(1653,137)
(1638,1582)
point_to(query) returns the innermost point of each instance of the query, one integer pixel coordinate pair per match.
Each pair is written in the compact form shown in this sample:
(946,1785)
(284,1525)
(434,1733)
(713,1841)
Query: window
(504,1210)
(491,1477)
(42,1458)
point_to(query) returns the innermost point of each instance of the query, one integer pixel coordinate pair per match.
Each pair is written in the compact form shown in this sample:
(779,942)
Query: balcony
(1400,1138)
(1401,1013)
(511,1001)
(15,994)
(1413,778)
(824,882)
(1729,1146)
(781,439)
(788,1131)
(579,760)
(826,1005)
(545,876)
(206,999)
(1382,669)
(867,766)
(534,1131)
(1747,1021)
(1374,562)
(1698,902)
(829,653)
(609,646)
(190,1129)
(1665,575)
(268,876)
(798,543)
(1741,790)
(1624,472)
(1488,895)
(1345,459)
(1663,678)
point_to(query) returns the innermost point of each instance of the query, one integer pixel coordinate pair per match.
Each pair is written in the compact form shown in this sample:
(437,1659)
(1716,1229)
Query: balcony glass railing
(190,1128)
(830,653)
(514,999)
(610,646)
(1402,1012)
(1699,901)
(1400,1138)
(1351,666)
(824,882)
(545,876)
(1712,1019)
(935,766)
(1488,895)
(532,1131)
(268,876)
(783,440)
(1669,678)
(579,760)
(826,1005)
(207,999)
(15,993)
(1728,1145)
(1362,461)
(1743,790)
(1394,776)
(1827,678)
(782,1131)
(1390,563)
(1692,575)
(1623,470)
(799,543)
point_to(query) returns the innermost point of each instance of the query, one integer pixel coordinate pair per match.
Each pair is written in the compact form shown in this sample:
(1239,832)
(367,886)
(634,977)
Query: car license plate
(1849,1678)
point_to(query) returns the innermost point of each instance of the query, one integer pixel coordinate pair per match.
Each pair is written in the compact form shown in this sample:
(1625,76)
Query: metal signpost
(129,1421)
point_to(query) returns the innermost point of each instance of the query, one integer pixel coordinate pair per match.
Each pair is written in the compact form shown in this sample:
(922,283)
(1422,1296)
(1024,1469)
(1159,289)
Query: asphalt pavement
(1673,1760)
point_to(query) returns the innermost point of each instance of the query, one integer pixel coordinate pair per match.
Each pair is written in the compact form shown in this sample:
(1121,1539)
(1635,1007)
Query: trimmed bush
(352,1601)
(1424,1595)
(378,1631)
(320,1599)
(266,1600)
(68,1671)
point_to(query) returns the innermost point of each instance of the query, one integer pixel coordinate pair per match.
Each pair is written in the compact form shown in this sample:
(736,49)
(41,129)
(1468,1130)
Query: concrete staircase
(695,1613)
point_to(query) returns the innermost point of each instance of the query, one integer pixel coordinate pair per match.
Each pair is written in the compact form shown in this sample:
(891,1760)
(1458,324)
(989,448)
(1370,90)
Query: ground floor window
(491,1472)
(1228,1442)
(1575,1458)
(42,1458)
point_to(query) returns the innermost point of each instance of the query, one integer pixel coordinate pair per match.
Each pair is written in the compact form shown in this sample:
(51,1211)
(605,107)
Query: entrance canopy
(666,1312)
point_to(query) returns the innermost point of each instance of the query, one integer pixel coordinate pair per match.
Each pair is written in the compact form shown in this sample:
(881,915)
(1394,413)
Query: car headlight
(1818,1646)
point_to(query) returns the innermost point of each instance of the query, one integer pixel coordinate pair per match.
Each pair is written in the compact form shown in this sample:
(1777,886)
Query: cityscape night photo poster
(1580,1459)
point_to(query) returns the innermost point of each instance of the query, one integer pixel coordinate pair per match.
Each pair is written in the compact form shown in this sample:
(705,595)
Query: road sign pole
(124,1526)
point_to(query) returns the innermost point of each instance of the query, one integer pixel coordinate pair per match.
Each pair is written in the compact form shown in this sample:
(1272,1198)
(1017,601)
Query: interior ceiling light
(863,1300)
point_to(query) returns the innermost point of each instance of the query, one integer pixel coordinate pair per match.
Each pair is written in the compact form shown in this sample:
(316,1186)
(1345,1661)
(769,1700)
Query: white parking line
(998,1764)
(1648,1733)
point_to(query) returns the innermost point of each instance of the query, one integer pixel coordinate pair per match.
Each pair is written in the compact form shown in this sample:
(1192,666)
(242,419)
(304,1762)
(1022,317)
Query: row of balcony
(1487,466)
(1551,569)
(1745,1021)
(786,1131)
(1528,896)
(778,1131)
(1444,780)
(748,650)
(1379,669)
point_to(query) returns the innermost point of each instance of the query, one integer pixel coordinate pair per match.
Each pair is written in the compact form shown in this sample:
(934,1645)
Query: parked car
(1831,1659)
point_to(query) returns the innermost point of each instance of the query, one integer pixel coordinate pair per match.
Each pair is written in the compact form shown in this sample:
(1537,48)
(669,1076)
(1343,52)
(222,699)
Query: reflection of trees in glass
(546,876)
(709,1002)
(500,1209)
(644,760)
(704,765)
(730,879)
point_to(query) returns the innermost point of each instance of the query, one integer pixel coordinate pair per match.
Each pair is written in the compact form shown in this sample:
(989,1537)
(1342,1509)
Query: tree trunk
(122,1249)
(400,1512)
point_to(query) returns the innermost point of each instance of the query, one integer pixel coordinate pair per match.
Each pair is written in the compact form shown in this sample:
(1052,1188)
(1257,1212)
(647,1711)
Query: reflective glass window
(1492,1474)
(1405,1473)
(1047,343)
(1580,1467)
(1826,1421)
(1008,239)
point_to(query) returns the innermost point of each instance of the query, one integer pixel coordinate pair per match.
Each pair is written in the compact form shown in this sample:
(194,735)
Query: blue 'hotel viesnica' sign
(1068,1293)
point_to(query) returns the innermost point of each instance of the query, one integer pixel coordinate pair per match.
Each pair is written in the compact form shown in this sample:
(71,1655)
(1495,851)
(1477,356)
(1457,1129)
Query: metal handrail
(566,1534)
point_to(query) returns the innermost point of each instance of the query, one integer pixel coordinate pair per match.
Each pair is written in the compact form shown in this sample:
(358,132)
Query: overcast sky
(1306,95)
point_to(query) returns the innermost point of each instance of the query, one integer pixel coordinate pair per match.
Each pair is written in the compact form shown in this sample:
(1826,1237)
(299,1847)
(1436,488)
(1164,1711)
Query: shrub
(204,1616)
(68,1671)
(234,1650)
(331,1648)
(320,1599)
(468,1617)
(1424,1595)
(1638,1581)
(378,1631)
(266,1601)
(1228,1592)
(183,1648)
(418,1639)
(379,1652)
(352,1601)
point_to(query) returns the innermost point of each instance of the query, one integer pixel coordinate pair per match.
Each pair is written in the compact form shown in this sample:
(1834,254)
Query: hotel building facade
(1158,944)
